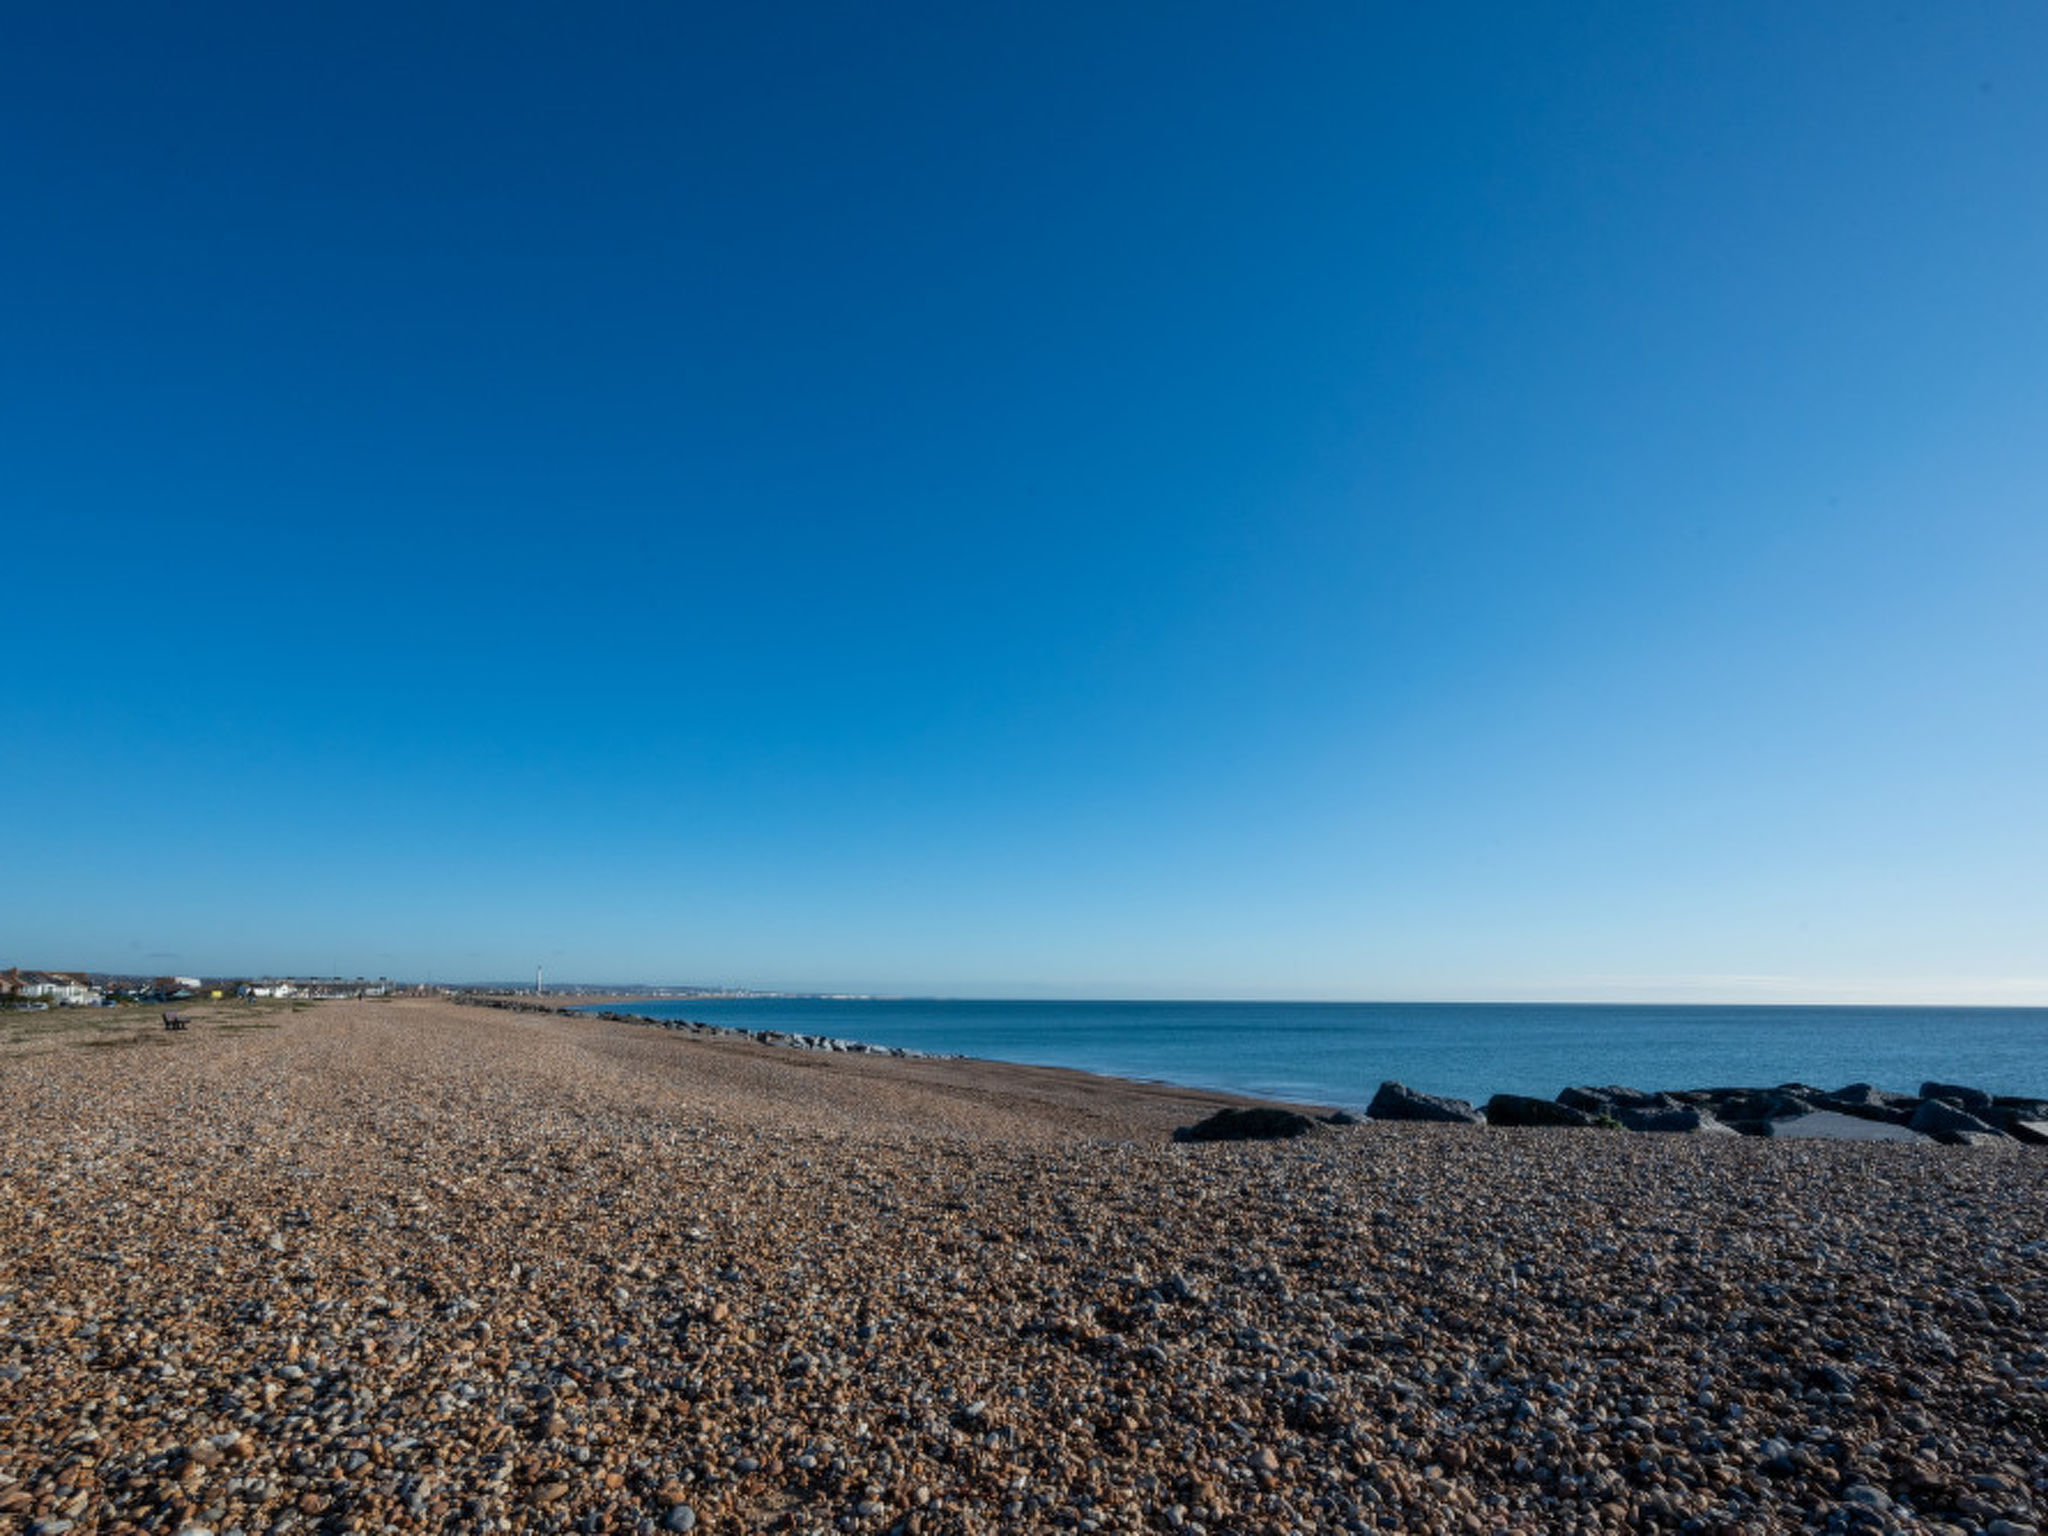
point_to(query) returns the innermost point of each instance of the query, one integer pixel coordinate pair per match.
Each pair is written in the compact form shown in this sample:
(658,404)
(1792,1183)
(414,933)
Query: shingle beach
(405,1265)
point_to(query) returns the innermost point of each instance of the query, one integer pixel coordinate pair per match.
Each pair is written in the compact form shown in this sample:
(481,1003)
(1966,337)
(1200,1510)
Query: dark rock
(1683,1119)
(1999,1119)
(2004,1114)
(1612,1100)
(1865,1096)
(1972,1139)
(1760,1104)
(2033,1132)
(1941,1119)
(1340,1117)
(1962,1098)
(1516,1110)
(1397,1101)
(1259,1123)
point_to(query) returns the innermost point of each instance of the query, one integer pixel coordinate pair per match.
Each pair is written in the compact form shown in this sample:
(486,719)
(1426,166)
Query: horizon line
(1723,991)
(771,994)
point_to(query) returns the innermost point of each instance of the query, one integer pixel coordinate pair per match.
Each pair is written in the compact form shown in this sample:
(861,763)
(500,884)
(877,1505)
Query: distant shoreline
(1957,1115)
(1341,1052)
(631,994)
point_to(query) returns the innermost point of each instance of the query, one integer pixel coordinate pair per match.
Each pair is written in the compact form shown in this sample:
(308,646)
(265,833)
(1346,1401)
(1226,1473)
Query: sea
(1338,1054)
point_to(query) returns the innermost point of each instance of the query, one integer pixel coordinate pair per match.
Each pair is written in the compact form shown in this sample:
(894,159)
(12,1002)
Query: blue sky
(1353,502)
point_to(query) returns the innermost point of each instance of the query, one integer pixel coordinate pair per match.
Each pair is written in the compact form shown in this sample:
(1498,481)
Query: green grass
(37,1032)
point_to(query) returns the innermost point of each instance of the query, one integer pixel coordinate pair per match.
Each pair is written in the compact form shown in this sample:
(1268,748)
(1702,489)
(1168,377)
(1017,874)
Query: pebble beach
(403,1265)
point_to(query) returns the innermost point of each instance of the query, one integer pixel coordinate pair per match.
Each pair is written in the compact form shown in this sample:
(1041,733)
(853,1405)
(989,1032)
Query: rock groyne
(1947,1113)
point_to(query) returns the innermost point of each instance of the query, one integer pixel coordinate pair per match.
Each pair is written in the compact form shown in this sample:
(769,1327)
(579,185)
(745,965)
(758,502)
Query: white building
(63,988)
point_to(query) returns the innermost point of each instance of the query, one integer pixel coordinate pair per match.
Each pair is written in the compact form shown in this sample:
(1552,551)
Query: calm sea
(1338,1053)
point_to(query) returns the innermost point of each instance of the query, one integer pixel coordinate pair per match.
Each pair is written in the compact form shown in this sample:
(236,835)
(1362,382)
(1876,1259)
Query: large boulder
(1682,1120)
(1862,1095)
(1963,1098)
(1517,1110)
(1944,1122)
(1760,1103)
(2033,1132)
(1258,1123)
(1397,1101)
(1868,1102)
(2006,1112)
(1612,1100)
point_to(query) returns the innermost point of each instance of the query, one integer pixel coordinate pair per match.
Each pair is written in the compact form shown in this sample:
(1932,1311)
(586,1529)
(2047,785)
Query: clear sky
(1201,500)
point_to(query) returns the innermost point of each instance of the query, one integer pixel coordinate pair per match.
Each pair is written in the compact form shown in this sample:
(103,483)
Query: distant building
(335,988)
(66,989)
(329,990)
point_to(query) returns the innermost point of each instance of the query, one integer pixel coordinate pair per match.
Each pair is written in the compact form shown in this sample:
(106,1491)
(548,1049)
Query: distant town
(23,988)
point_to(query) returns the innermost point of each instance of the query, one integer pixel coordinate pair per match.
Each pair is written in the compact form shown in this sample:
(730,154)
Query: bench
(175,1021)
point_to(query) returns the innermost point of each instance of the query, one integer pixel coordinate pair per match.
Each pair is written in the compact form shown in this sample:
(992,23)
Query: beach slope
(404,1265)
